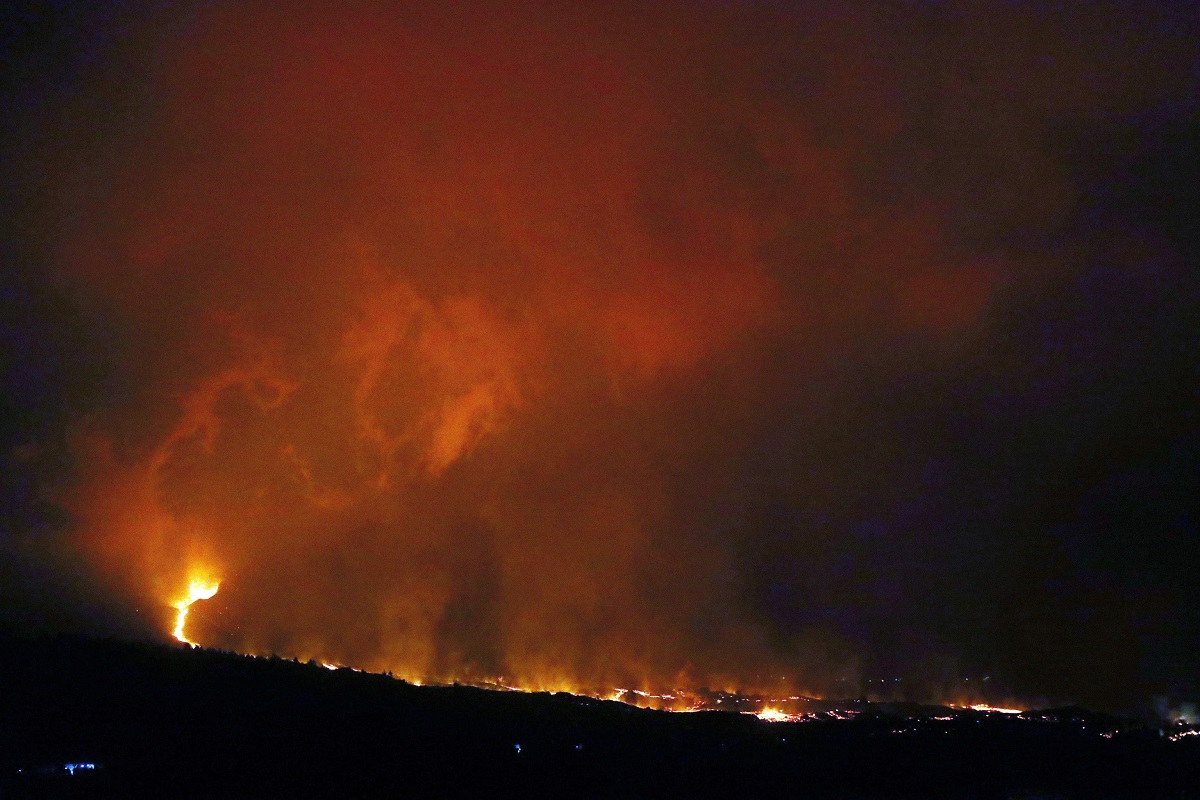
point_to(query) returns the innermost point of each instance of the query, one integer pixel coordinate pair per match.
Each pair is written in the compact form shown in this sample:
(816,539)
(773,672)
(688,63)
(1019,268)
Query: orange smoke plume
(443,331)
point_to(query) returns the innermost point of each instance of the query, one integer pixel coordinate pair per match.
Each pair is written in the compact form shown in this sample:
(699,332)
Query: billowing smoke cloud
(699,344)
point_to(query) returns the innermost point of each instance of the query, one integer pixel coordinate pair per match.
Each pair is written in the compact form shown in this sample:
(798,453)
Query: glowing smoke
(481,343)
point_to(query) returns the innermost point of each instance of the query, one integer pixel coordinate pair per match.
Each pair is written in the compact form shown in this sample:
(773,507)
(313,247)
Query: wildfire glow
(198,589)
(775,715)
(990,709)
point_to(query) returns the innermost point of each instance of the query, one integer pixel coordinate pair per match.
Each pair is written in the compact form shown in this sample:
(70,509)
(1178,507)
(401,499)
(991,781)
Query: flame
(770,714)
(994,709)
(198,589)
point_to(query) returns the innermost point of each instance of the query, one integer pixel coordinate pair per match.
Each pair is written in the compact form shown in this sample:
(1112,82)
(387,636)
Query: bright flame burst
(198,589)
(996,709)
(769,714)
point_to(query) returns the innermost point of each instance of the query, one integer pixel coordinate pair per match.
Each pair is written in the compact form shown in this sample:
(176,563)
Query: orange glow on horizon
(773,708)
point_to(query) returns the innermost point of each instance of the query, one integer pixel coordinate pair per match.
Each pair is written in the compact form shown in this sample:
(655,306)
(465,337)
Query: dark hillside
(174,722)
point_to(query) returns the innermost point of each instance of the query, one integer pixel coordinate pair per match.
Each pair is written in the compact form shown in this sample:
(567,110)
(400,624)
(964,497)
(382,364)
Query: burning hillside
(108,719)
(699,354)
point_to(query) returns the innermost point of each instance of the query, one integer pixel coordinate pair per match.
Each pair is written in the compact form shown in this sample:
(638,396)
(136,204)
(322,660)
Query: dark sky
(758,345)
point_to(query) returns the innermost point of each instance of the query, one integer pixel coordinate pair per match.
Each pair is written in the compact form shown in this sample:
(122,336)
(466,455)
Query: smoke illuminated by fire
(418,407)
(562,349)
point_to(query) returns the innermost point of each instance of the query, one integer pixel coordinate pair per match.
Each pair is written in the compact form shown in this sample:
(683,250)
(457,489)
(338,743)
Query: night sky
(744,345)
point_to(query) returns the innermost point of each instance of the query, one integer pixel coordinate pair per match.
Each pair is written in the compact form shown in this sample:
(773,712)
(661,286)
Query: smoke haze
(757,346)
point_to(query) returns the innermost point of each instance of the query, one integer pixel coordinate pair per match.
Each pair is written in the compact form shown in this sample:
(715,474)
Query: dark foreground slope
(151,721)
